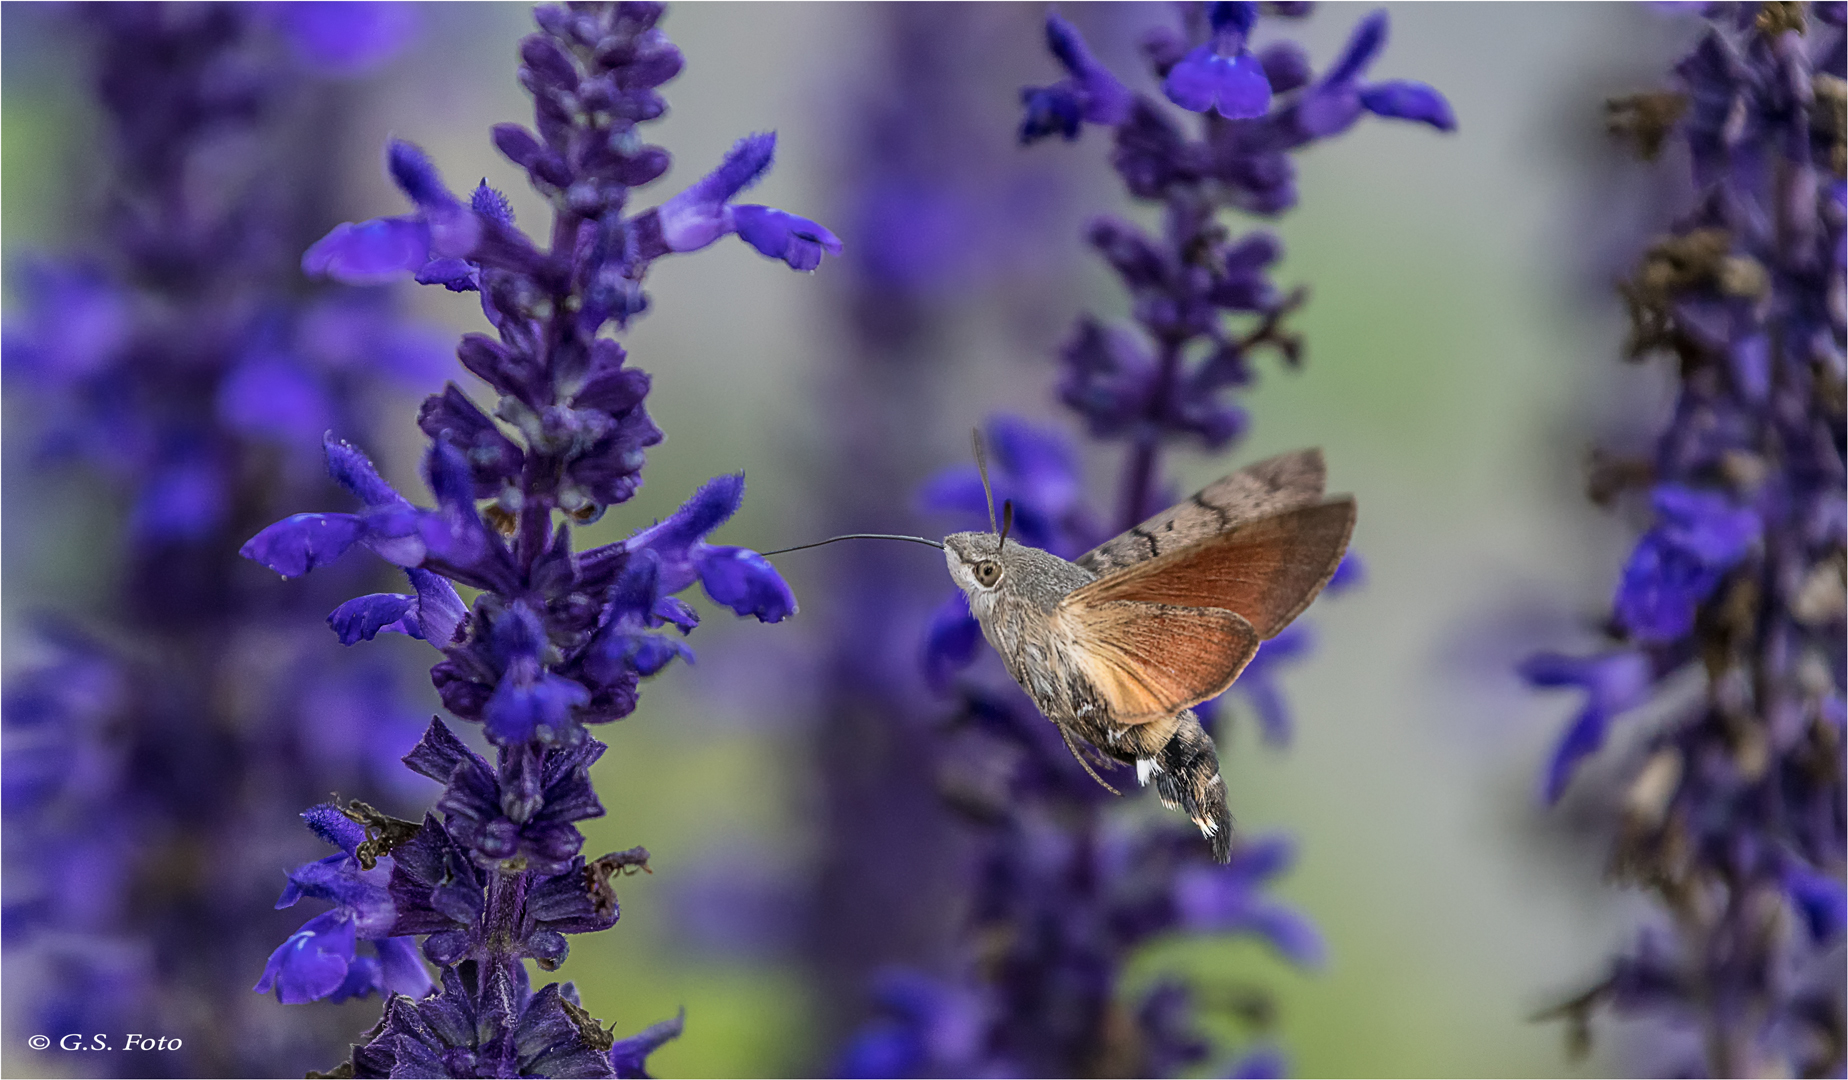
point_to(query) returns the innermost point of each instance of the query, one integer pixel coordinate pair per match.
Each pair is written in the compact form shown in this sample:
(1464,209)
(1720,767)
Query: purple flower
(1729,606)
(1088,94)
(556,638)
(1222,75)
(1613,683)
(740,579)
(1222,898)
(320,960)
(1335,101)
(1063,893)
(629,1057)
(1680,562)
(345,39)
(1034,468)
(179,370)
(703,213)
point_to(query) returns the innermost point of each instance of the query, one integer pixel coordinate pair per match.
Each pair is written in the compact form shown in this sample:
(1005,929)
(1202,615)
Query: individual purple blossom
(1222,75)
(1089,93)
(557,638)
(320,960)
(1728,617)
(1614,683)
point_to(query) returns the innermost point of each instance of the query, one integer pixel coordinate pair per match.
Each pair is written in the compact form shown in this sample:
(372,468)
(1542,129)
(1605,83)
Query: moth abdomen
(1186,776)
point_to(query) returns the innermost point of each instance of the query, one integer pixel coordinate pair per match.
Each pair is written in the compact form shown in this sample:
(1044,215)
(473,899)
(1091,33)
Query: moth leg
(1065,733)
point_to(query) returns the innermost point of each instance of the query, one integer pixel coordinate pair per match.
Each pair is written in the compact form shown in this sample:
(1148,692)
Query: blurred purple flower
(1066,894)
(1737,587)
(1089,93)
(180,366)
(345,38)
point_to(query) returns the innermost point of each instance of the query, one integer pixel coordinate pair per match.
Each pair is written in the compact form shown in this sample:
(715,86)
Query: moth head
(979,561)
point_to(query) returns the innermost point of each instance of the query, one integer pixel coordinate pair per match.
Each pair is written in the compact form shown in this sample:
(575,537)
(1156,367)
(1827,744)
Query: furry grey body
(1020,616)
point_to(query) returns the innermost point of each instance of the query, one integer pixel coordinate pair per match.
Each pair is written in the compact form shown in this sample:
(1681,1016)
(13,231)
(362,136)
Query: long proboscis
(855,536)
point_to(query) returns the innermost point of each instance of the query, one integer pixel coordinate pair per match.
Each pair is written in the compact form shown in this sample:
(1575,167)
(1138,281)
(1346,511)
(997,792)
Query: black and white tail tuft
(1186,776)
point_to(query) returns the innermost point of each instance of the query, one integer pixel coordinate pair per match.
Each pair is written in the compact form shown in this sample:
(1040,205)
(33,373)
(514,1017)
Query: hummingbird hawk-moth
(1117,646)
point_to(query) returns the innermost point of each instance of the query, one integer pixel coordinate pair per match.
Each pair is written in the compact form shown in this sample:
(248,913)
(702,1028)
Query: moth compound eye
(987,572)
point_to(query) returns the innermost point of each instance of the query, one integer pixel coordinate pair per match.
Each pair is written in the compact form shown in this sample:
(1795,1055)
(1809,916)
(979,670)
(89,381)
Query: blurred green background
(1462,344)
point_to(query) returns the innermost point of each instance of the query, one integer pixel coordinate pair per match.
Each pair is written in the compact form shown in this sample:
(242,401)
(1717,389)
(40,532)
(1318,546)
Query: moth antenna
(981,466)
(1007,524)
(1073,747)
(855,536)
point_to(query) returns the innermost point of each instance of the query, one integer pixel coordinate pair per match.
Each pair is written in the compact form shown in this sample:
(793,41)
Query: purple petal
(1190,83)
(1706,524)
(1614,683)
(372,252)
(698,216)
(629,1057)
(1327,110)
(1050,110)
(1286,66)
(1362,49)
(354,471)
(1232,15)
(1661,585)
(1820,899)
(1264,1063)
(956,489)
(1351,574)
(778,235)
(950,642)
(346,38)
(77,321)
(182,500)
(327,822)
(1290,933)
(414,174)
(673,539)
(1273,712)
(1403,100)
(401,970)
(745,581)
(298,544)
(517,714)
(645,654)
(271,396)
(313,963)
(440,610)
(1040,461)
(1583,738)
(1067,45)
(1264,857)
(454,228)
(1234,85)
(456,275)
(362,618)
(362,979)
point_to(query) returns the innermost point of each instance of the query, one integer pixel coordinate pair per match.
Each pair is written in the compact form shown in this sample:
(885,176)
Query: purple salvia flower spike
(556,640)
(1054,864)
(1727,627)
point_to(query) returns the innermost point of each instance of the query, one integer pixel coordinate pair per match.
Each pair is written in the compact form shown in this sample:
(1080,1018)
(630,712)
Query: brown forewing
(1266,570)
(1268,487)
(1149,661)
